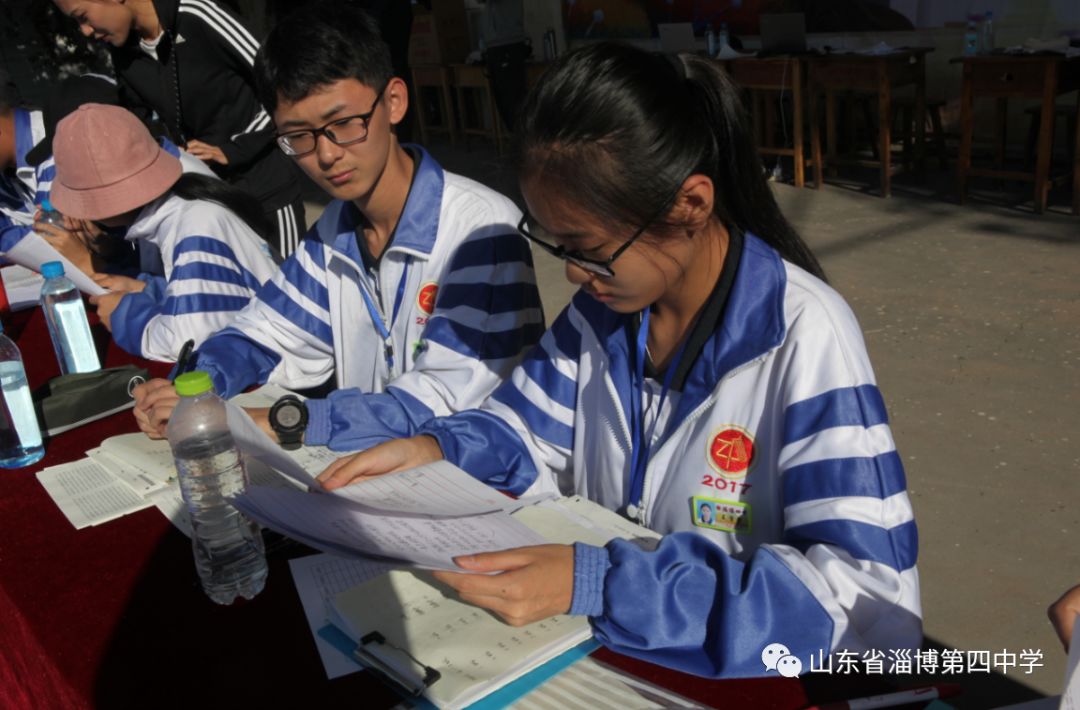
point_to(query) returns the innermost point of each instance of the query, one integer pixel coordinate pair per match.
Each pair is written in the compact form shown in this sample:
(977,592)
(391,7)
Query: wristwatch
(288,419)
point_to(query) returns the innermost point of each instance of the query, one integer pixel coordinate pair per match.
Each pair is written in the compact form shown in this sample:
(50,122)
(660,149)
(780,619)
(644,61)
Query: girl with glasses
(704,361)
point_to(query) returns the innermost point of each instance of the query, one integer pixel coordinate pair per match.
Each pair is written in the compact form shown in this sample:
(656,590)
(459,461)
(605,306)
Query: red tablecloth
(113,616)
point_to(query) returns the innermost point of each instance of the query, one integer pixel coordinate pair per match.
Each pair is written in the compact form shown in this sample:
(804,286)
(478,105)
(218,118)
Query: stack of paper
(425,632)
(87,494)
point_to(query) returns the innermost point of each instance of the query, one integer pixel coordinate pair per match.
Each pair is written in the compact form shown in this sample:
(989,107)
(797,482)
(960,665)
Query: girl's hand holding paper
(388,457)
(531,584)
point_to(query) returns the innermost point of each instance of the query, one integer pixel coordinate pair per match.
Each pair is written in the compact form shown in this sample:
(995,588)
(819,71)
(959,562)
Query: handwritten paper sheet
(32,251)
(469,646)
(439,489)
(331,524)
(87,494)
(320,578)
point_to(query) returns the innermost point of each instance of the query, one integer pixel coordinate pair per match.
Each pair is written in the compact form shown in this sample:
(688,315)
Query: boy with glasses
(413,290)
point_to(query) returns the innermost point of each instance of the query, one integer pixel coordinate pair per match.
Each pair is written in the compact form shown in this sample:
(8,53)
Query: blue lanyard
(639,442)
(377,317)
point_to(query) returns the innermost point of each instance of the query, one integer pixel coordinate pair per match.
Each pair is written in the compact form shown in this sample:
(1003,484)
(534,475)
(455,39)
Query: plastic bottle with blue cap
(66,316)
(49,215)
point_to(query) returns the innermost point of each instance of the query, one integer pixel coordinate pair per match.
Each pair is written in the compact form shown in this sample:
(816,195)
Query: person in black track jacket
(189,62)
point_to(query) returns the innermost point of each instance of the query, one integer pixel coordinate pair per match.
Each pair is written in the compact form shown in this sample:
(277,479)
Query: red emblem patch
(731,452)
(425,300)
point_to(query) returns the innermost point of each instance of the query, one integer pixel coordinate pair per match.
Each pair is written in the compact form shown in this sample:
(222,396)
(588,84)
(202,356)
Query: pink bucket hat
(107,163)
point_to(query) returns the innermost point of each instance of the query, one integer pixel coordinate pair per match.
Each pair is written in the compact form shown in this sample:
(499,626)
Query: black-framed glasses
(340,131)
(601,267)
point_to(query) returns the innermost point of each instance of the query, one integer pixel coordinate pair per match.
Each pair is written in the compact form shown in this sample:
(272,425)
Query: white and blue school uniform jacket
(21,193)
(779,427)
(454,291)
(213,264)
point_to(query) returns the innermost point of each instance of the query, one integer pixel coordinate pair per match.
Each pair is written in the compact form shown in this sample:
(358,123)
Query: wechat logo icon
(777,657)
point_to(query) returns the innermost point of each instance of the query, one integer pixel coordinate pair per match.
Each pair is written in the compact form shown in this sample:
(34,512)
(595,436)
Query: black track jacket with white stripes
(211,53)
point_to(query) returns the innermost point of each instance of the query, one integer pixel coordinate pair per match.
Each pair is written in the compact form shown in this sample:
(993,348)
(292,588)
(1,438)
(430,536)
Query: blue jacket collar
(752,325)
(753,322)
(418,224)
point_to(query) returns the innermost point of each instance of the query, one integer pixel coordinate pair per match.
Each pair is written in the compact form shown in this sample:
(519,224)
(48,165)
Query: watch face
(288,416)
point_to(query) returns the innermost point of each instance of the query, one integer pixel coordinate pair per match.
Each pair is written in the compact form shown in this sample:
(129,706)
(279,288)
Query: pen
(184,360)
(888,700)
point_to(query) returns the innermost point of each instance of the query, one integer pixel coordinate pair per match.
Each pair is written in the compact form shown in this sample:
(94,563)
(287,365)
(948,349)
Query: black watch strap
(289,419)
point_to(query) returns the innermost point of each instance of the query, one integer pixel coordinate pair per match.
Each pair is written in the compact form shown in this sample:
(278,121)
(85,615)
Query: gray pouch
(68,401)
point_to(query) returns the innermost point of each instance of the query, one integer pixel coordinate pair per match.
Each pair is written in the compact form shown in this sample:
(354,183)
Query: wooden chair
(478,115)
(427,80)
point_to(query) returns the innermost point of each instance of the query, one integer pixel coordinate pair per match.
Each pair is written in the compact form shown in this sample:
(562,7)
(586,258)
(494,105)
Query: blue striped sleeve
(690,606)
(557,386)
(481,344)
(194,244)
(846,406)
(235,361)
(196,303)
(275,298)
(497,249)
(130,318)
(488,297)
(11,233)
(486,447)
(897,547)
(862,476)
(216,273)
(504,298)
(536,419)
(352,420)
(310,288)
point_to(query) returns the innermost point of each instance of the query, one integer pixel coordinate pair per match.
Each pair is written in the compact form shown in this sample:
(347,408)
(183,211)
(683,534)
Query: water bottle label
(19,404)
(79,352)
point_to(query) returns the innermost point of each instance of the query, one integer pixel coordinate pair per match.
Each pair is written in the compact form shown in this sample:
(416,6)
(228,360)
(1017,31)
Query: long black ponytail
(625,127)
(192,186)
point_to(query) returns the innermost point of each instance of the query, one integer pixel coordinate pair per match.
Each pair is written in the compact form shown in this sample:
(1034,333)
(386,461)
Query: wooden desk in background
(781,74)
(879,74)
(1004,77)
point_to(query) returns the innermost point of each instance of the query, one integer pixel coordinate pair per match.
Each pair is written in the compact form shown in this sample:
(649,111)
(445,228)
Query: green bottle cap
(190,384)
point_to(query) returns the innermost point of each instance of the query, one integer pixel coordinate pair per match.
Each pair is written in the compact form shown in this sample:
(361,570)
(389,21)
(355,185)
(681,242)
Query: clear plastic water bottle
(66,316)
(710,42)
(49,215)
(20,436)
(971,39)
(722,38)
(228,547)
(987,33)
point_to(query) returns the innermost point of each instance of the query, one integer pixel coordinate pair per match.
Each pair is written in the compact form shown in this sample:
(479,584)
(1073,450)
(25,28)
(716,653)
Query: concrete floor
(971,319)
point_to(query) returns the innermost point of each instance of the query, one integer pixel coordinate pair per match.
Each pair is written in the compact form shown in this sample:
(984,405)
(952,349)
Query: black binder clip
(390,671)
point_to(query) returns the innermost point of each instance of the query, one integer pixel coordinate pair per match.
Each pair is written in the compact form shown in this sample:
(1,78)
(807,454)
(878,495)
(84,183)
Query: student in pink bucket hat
(202,255)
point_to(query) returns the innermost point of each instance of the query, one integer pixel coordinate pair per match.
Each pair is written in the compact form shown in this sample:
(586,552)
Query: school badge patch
(731,452)
(425,300)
